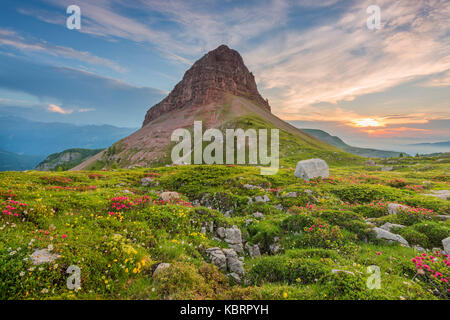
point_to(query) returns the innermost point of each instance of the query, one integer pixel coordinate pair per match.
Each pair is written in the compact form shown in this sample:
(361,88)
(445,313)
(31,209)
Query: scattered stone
(441,194)
(279,207)
(249,186)
(394,207)
(248,222)
(127,191)
(262,199)
(443,217)
(233,263)
(369,163)
(386,235)
(388,226)
(40,256)
(292,194)
(344,271)
(389,168)
(446,245)
(419,248)
(258,215)
(217,257)
(253,250)
(160,267)
(312,168)
(169,196)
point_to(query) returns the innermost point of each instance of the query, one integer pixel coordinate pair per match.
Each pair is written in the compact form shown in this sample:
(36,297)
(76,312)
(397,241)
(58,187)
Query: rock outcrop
(217,73)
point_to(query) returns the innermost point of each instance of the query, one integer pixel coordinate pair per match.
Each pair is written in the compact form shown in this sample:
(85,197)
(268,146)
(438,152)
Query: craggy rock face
(218,72)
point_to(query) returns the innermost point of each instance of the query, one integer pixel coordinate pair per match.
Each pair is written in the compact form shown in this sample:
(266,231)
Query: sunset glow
(368,122)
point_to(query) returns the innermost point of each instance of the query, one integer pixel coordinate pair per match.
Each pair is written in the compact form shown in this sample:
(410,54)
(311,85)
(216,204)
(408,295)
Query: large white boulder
(312,168)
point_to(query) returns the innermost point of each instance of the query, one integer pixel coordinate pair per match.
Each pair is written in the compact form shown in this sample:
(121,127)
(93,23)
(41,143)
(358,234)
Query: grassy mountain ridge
(67,159)
(339,143)
(151,145)
(10,161)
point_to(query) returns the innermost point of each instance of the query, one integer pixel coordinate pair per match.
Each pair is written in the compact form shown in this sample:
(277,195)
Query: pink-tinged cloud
(58,109)
(397,132)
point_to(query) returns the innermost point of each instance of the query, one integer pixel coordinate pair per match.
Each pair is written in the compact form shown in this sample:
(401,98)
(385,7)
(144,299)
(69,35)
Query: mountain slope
(67,159)
(10,161)
(220,91)
(363,152)
(433,144)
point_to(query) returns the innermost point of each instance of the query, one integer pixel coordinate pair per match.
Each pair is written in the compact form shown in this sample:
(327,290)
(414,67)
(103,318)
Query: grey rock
(441,194)
(419,248)
(233,237)
(389,168)
(160,267)
(253,250)
(394,207)
(388,226)
(292,194)
(235,277)
(258,215)
(221,232)
(249,186)
(40,256)
(262,199)
(312,168)
(238,247)
(386,235)
(274,248)
(248,222)
(217,257)
(370,163)
(446,245)
(443,217)
(344,271)
(233,263)
(279,207)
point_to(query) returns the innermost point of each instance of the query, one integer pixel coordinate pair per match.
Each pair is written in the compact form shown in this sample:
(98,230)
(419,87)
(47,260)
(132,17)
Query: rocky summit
(220,91)
(218,72)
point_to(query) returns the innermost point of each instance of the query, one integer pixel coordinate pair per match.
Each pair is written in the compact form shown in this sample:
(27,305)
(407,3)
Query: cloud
(397,132)
(13,39)
(58,109)
(297,65)
(107,100)
(344,60)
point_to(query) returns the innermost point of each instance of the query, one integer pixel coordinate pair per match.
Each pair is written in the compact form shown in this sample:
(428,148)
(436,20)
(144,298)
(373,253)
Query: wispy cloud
(341,61)
(58,109)
(297,68)
(13,39)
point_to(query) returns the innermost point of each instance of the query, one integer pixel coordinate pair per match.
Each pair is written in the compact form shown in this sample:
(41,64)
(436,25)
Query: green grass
(118,253)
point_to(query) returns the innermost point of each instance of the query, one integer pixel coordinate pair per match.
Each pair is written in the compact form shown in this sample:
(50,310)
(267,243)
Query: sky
(317,62)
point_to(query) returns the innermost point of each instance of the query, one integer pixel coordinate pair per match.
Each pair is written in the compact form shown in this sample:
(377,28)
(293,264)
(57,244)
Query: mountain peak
(217,73)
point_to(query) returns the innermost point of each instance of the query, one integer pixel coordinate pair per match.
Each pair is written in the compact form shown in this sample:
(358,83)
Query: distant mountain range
(24,143)
(10,161)
(363,152)
(445,144)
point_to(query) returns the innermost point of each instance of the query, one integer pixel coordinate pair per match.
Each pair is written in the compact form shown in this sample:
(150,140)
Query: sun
(367,122)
